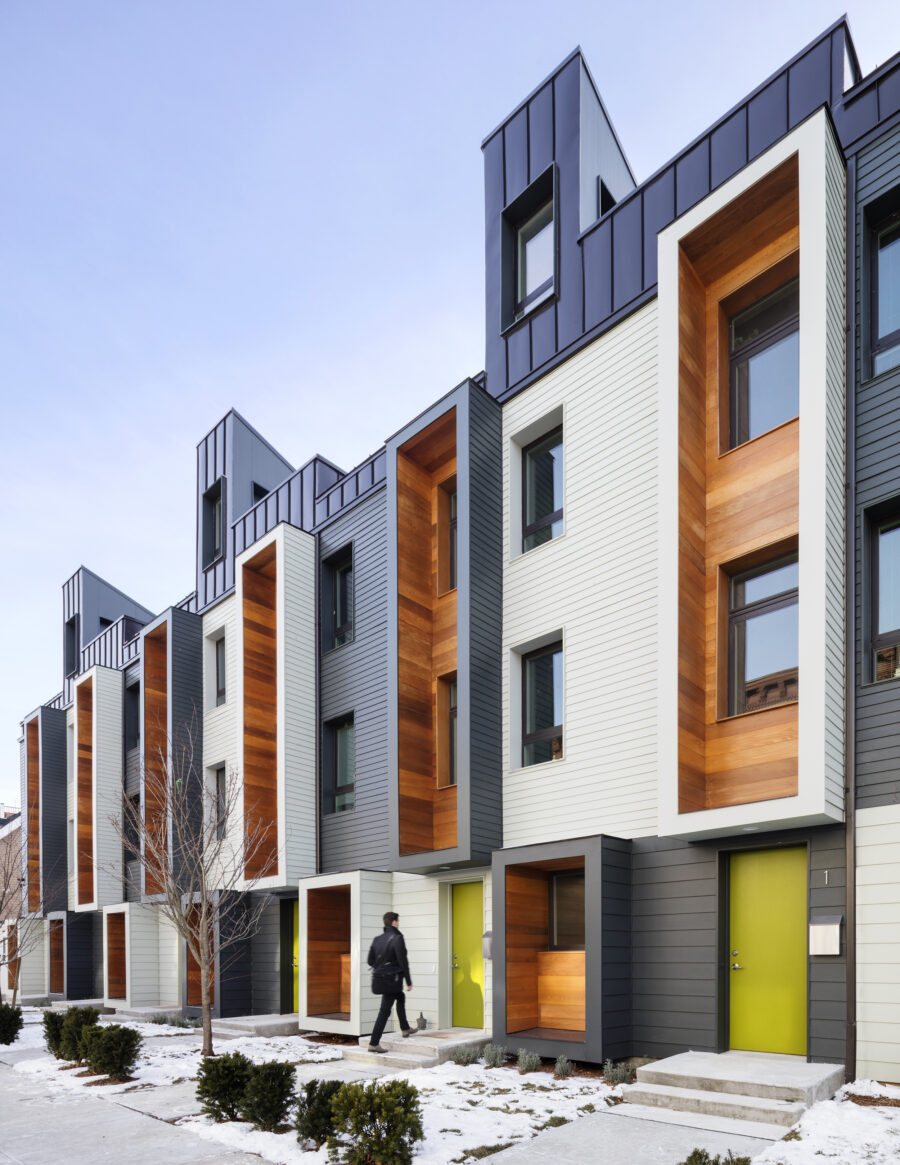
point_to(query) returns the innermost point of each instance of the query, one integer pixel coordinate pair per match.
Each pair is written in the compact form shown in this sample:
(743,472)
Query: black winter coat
(388,953)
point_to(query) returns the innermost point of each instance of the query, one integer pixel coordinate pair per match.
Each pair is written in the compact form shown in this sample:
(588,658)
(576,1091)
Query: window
(451,539)
(220,670)
(337,599)
(71,646)
(213,523)
(763,643)
(131,838)
(885,572)
(221,807)
(446,536)
(567,911)
(447,736)
(534,259)
(339,766)
(886,294)
(132,717)
(259,492)
(542,710)
(542,486)
(764,364)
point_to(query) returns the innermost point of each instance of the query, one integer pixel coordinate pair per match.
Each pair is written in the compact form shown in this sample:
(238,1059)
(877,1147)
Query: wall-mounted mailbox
(825,934)
(487,944)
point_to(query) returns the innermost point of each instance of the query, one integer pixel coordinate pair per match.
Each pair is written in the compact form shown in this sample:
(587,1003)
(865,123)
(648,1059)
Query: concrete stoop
(422,1050)
(751,1087)
(257,1025)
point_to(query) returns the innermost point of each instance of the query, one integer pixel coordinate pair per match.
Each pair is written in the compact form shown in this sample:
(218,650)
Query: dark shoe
(378,1048)
(408,1031)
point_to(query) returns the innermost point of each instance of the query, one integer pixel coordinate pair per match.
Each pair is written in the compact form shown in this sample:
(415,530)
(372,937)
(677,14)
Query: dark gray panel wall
(877,481)
(827,975)
(615,945)
(485,615)
(79,947)
(54,887)
(353,678)
(265,956)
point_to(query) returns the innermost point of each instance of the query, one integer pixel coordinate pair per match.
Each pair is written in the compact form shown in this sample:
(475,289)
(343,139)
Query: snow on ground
(843,1133)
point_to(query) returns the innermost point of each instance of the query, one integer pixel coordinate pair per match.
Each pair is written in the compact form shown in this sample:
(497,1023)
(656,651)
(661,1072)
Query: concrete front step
(390,1061)
(784,1113)
(698,1120)
(258,1025)
(439,1043)
(770,1076)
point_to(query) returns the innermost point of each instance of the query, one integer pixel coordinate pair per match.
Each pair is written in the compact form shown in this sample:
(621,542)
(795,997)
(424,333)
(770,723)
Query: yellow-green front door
(468,962)
(296,963)
(767,951)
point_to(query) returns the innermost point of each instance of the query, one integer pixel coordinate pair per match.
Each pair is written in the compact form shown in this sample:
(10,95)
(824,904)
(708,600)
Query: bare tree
(194,849)
(24,931)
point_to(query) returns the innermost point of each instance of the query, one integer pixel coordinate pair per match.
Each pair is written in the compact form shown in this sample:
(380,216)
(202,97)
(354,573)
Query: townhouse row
(592,671)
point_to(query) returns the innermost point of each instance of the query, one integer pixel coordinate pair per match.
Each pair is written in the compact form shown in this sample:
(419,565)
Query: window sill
(534,550)
(876,378)
(337,647)
(762,436)
(756,712)
(532,311)
(338,813)
(544,764)
(879,683)
(214,561)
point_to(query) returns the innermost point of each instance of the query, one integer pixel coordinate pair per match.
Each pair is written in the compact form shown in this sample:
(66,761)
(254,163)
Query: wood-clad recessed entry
(426,634)
(328,952)
(116,959)
(260,714)
(84,809)
(156,748)
(33,813)
(57,957)
(738,503)
(193,996)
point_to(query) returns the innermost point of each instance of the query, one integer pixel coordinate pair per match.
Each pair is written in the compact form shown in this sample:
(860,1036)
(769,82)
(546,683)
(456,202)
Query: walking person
(390,966)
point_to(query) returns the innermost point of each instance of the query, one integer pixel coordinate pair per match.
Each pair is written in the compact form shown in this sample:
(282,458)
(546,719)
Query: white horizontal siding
(597,584)
(878,943)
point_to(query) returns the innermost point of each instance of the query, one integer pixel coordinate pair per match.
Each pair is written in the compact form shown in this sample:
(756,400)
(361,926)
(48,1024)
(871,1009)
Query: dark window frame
(542,734)
(213,533)
(335,571)
(768,339)
(452,548)
(221,669)
(221,801)
(552,883)
(882,521)
(530,528)
(878,343)
(777,602)
(517,214)
(331,790)
(452,726)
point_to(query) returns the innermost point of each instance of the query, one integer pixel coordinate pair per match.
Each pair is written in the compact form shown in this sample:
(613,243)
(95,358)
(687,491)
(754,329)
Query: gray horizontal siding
(353,678)
(54,890)
(265,956)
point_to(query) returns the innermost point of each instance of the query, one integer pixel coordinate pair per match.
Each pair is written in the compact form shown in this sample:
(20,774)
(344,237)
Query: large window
(885,571)
(886,294)
(763,643)
(542,490)
(339,765)
(542,705)
(337,600)
(764,358)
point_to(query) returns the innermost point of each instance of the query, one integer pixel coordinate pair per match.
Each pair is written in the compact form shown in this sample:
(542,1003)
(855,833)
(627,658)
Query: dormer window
(534,259)
(529,249)
(213,523)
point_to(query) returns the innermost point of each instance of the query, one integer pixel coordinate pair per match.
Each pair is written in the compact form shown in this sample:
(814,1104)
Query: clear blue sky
(274,206)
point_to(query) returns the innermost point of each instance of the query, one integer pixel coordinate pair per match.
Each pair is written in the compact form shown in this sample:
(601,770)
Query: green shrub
(221,1081)
(379,1123)
(315,1119)
(465,1054)
(111,1050)
(52,1024)
(616,1073)
(268,1096)
(495,1055)
(10,1023)
(562,1068)
(528,1061)
(701,1157)
(89,1033)
(70,1035)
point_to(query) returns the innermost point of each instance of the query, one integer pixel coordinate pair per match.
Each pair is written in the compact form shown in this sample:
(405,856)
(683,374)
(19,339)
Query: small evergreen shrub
(76,1019)
(315,1119)
(110,1051)
(495,1055)
(528,1061)
(10,1023)
(52,1024)
(89,1033)
(268,1095)
(616,1073)
(701,1157)
(562,1068)
(377,1123)
(464,1055)
(221,1081)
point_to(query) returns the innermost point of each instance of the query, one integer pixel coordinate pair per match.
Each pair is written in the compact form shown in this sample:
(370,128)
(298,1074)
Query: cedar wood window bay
(764,364)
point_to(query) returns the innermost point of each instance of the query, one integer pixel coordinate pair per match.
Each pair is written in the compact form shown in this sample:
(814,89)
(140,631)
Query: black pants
(387,1002)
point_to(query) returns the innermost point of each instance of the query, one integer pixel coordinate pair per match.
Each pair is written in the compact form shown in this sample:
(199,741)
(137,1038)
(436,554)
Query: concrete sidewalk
(617,1138)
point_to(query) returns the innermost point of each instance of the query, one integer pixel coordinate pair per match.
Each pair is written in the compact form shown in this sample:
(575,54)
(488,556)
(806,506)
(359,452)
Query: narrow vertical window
(337,600)
(452,733)
(542,705)
(213,523)
(221,803)
(886,295)
(542,490)
(764,351)
(220,670)
(567,911)
(534,259)
(763,636)
(451,539)
(339,765)
(885,569)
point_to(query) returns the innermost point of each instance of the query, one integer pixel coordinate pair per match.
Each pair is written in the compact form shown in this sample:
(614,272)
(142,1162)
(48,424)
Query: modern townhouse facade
(590,672)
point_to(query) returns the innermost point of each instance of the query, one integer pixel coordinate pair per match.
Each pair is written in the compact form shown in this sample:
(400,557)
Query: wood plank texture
(327,946)
(527,930)
(426,636)
(33,812)
(156,745)
(560,989)
(84,809)
(57,963)
(192,974)
(116,960)
(737,506)
(260,713)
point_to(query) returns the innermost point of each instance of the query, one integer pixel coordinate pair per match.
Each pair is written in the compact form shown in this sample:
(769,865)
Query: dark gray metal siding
(54,889)
(485,619)
(877,481)
(79,954)
(615,945)
(353,678)
(265,961)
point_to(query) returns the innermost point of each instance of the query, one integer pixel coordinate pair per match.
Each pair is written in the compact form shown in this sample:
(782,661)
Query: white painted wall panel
(34,963)
(597,584)
(878,943)
(169,963)
(221,746)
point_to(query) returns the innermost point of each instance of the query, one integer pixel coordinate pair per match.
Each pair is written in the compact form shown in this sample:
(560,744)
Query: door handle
(736,967)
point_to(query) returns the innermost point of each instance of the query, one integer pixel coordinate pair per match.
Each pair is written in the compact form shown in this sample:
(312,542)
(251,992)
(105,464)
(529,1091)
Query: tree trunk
(205,1002)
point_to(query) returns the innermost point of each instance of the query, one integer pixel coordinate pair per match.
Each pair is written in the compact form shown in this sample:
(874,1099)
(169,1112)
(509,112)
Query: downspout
(850,630)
